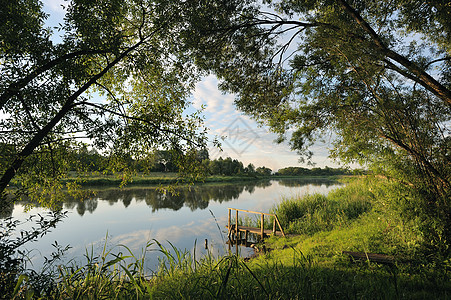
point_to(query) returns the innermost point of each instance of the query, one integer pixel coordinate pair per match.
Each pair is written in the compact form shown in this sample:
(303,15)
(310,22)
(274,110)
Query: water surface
(136,216)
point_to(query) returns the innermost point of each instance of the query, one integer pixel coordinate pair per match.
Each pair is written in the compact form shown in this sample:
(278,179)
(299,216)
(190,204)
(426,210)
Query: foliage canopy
(374,77)
(117,77)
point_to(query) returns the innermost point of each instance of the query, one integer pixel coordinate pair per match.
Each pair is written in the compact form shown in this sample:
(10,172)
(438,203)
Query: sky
(243,139)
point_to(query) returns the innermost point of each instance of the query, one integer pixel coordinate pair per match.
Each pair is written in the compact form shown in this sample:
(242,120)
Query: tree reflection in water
(194,197)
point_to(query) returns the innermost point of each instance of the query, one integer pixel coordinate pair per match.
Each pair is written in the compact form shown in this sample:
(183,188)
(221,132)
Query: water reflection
(194,197)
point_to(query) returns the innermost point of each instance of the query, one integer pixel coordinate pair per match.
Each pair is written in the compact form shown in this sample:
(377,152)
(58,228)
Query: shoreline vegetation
(307,264)
(221,170)
(172,178)
(92,172)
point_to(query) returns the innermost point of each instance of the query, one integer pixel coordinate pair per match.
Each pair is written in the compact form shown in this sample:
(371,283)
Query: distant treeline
(163,161)
(229,167)
(299,171)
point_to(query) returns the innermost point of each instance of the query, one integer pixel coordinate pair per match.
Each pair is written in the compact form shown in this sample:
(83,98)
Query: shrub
(15,278)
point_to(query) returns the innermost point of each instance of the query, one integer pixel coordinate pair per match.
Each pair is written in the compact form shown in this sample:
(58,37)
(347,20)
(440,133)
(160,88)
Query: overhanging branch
(15,87)
(418,74)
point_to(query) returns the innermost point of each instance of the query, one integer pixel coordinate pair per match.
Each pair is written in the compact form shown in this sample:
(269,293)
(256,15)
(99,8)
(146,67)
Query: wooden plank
(257,230)
(374,257)
(252,212)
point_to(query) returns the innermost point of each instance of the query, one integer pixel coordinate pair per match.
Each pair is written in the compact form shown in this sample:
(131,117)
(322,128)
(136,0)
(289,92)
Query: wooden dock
(236,231)
(255,230)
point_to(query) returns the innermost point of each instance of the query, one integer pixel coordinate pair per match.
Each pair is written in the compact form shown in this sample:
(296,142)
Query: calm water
(136,216)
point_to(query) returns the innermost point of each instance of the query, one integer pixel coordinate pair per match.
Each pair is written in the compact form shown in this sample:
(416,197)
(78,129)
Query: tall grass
(314,213)
(297,277)
(106,276)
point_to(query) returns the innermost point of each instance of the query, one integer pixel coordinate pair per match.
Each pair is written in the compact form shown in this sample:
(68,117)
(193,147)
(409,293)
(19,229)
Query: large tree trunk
(32,145)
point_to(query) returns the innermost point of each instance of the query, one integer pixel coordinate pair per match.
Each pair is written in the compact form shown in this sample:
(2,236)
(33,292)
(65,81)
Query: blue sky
(244,139)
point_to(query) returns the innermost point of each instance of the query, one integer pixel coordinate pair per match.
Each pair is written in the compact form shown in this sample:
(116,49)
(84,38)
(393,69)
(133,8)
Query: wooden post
(262,226)
(228,223)
(237,230)
(278,223)
(274,227)
(246,233)
(237,241)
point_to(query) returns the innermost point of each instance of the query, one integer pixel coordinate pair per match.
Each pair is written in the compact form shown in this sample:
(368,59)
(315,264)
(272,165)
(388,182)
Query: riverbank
(173,178)
(148,179)
(308,264)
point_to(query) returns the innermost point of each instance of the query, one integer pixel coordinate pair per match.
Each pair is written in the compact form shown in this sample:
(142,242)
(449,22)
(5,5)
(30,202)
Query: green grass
(116,180)
(97,179)
(309,264)
(314,213)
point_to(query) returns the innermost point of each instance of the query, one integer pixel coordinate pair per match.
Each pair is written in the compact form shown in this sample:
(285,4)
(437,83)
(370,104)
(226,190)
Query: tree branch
(15,87)
(39,136)
(158,128)
(420,76)
(423,161)
(121,107)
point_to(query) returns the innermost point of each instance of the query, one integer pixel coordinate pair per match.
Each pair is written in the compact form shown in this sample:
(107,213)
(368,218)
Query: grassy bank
(308,264)
(171,178)
(150,179)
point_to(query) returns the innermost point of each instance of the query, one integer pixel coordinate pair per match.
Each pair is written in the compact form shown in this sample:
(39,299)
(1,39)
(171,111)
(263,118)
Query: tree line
(90,160)
(162,161)
(300,171)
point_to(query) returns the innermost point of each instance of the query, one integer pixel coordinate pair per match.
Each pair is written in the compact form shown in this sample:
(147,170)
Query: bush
(15,278)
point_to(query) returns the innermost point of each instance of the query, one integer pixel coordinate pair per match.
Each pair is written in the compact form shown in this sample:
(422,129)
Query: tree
(119,77)
(166,160)
(85,160)
(374,76)
(264,171)
(250,169)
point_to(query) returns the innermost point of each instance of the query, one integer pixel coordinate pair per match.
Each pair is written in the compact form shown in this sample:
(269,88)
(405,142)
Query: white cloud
(245,139)
(56,6)
(207,93)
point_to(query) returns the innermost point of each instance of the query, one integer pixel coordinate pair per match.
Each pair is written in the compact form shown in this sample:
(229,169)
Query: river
(138,215)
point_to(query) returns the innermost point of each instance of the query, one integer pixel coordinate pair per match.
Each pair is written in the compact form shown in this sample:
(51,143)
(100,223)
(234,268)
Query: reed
(313,213)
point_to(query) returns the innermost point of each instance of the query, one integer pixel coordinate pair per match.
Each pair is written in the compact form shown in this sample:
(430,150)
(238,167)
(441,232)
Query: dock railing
(260,230)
